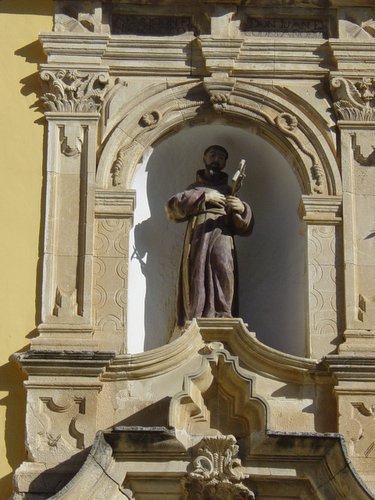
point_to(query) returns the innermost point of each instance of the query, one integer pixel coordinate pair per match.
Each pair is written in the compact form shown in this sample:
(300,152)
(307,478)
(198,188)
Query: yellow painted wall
(21,169)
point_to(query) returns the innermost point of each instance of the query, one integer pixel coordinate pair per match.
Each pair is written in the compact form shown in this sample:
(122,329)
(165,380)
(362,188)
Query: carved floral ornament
(217,472)
(354,100)
(72,91)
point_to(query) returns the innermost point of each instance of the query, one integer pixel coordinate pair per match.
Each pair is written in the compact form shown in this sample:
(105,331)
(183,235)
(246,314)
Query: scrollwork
(288,124)
(72,92)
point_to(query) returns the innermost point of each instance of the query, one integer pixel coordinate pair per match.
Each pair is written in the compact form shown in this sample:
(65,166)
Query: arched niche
(141,145)
(271,261)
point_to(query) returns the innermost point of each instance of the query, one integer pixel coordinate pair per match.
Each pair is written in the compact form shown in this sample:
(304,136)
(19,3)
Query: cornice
(63,363)
(232,333)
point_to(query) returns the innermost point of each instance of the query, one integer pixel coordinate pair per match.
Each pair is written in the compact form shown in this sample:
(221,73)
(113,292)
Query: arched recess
(302,138)
(259,110)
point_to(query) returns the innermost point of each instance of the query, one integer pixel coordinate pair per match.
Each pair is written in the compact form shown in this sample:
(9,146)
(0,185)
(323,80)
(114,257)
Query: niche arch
(302,138)
(290,125)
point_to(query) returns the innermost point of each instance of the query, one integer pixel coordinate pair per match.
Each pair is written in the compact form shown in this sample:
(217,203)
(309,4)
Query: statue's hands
(235,204)
(215,198)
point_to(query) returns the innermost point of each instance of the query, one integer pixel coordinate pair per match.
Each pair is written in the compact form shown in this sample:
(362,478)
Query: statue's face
(215,159)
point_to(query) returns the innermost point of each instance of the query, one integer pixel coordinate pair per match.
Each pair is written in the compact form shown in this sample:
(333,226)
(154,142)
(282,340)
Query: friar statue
(208,274)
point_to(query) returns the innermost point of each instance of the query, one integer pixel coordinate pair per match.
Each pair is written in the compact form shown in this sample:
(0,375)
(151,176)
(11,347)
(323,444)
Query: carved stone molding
(354,100)
(216,471)
(321,209)
(73,92)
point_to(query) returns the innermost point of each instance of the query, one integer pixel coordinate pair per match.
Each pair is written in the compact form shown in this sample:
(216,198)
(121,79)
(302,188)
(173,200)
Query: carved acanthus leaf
(217,472)
(72,92)
(354,100)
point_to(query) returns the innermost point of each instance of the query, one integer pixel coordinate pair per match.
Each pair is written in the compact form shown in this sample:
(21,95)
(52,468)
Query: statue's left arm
(242,223)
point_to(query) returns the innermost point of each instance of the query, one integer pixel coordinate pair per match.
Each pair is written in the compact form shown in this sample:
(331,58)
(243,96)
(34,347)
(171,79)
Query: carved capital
(73,92)
(354,100)
(216,471)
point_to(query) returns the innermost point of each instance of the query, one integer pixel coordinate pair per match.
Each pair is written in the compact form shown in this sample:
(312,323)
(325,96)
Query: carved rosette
(216,472)
(354,100)
(73,92)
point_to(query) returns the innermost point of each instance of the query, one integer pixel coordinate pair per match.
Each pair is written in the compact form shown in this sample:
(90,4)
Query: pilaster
(354,105)
(323,218)
(73,100)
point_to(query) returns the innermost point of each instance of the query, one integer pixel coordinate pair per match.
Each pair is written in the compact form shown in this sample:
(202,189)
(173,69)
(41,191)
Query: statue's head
(215,158)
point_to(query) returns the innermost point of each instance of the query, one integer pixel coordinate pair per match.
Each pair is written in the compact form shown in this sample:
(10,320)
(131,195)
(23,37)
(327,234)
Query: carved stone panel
(110,271)
(60,422)
(325,288)
(133,24)
(357,424)
(284,27)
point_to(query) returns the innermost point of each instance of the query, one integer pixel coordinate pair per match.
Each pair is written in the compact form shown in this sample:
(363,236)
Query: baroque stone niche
(133,95)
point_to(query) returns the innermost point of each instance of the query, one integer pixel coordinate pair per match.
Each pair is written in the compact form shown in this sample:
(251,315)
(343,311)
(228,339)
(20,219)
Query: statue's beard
(213,168)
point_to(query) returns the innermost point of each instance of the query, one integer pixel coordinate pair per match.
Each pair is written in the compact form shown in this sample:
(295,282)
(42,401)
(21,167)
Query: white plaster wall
(271,260)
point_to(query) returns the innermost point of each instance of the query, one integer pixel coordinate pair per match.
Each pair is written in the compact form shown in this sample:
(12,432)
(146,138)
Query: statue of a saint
(208,274)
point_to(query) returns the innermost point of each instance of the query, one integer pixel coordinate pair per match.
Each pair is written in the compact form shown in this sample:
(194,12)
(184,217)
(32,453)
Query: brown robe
(208,274)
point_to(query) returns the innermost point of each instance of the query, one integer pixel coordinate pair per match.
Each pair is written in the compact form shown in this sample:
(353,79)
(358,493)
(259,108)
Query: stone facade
(213,413)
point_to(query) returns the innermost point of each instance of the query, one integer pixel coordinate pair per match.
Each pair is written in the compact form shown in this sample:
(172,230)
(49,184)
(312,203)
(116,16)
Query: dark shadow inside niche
(271,261)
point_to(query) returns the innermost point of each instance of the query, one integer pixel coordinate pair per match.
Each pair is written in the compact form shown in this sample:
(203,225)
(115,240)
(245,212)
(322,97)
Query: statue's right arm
(183,205)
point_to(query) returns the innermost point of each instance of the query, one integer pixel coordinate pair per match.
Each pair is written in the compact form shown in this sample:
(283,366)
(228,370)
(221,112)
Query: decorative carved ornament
(149,119)
(359,157)
(219,91)
(217,472)
(283,27)
(134,24)
(288,124)
(354,100)
(72,91)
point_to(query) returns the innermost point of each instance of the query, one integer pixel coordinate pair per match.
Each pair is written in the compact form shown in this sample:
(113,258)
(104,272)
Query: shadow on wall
(11,382)
(271,260)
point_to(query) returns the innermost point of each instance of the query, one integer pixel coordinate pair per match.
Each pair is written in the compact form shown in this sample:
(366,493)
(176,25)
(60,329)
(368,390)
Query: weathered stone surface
(119,79)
